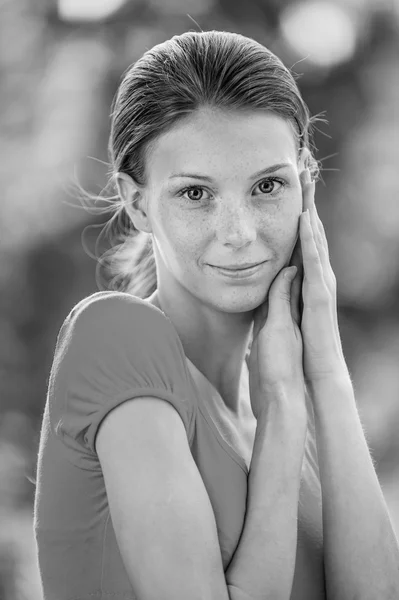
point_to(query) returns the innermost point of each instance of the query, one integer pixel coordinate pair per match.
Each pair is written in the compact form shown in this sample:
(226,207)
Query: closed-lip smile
(238,267)
(240,273)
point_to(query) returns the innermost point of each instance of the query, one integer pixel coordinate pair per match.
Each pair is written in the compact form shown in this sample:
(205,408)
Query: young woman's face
(223,190)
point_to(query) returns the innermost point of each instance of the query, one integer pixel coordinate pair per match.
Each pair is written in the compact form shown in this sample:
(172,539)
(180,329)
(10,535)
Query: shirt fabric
(113,347)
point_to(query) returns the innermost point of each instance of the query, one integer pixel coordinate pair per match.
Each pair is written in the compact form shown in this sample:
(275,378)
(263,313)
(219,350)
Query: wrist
(331,394)
(290,424)
(337,377)
(285,400)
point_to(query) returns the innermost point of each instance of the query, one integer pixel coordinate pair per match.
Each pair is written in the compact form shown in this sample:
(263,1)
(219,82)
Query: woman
(174,462)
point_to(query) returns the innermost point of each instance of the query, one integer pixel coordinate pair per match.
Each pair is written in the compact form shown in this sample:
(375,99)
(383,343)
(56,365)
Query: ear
(135,201)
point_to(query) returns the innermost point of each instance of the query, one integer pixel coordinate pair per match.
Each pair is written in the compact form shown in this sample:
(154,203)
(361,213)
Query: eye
(195,193)
(267,186)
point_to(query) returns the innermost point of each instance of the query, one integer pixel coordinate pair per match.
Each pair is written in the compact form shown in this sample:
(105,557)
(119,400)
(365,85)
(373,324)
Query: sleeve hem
(159,393)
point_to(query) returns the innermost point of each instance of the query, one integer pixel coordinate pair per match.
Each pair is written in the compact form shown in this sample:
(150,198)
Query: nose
(235,224)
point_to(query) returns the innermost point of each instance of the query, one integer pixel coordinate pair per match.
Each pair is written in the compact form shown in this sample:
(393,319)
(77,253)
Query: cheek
(180,240)
(280,226)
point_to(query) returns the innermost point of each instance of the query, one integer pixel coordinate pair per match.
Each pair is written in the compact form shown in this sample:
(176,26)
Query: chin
(230,298)
(239,301)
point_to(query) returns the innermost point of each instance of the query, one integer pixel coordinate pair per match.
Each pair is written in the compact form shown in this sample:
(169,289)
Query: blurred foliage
(59,72)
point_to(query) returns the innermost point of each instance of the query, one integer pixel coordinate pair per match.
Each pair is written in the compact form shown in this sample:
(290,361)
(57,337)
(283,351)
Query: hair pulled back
(171,80)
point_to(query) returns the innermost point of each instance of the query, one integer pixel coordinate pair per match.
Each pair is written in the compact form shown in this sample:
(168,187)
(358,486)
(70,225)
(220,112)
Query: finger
(308,189)
(313,270)
(320,242)
(322,231)
(296,257)
(322,246)
(329,275)
(328,272)
(315,227)
(318,228)
(296,252)
(319,239)
(280,294)
(296,298)
(296,288)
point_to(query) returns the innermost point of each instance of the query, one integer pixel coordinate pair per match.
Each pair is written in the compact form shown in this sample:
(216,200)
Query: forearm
(361,552)
(264,562)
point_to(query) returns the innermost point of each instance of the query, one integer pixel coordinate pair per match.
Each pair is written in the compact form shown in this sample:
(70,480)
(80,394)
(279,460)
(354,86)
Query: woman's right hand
(275,359)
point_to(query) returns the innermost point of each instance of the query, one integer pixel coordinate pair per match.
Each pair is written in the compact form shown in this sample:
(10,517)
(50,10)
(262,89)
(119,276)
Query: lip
(240,273)
(237,267)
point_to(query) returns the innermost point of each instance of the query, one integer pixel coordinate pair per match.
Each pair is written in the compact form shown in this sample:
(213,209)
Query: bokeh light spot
(322,32)
(87,10)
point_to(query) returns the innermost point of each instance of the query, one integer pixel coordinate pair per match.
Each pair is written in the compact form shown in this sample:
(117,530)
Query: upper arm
(112,349)
(161,512)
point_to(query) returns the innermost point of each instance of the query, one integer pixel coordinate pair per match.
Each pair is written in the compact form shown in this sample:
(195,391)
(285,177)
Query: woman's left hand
(322,350)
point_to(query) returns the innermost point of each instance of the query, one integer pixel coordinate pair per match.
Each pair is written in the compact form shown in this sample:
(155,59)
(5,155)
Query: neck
(215,342)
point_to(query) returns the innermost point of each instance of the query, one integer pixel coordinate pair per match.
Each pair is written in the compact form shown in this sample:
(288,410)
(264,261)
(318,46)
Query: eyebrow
(271,169)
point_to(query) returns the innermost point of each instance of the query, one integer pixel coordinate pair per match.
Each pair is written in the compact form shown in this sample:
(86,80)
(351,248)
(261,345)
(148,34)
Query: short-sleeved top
(113,347)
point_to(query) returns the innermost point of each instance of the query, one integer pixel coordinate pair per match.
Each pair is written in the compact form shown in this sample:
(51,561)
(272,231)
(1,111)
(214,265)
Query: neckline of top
(229,448)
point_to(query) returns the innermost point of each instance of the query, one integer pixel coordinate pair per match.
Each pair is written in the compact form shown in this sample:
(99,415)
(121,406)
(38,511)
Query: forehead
(218,141)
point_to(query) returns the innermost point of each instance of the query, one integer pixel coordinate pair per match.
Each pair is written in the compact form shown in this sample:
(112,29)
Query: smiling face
(216,197)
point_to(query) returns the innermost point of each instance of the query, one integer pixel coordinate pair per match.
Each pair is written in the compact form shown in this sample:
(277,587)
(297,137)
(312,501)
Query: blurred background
(60,65)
